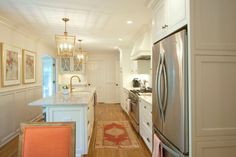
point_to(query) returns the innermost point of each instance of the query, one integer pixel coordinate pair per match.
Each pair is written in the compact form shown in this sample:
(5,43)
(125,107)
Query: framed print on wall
(11,64)
(29,66)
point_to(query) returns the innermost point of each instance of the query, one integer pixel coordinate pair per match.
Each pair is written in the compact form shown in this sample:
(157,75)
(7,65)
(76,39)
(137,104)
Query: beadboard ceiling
(100,23)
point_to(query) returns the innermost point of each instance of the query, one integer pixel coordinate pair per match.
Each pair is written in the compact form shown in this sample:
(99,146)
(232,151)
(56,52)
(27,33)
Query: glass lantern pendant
(65,44)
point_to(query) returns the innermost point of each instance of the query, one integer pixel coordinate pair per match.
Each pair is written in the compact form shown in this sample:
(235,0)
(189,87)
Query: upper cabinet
(71,65)
(168,16)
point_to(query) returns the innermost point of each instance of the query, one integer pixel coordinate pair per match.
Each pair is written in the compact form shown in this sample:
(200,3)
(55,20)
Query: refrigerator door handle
(175,154)
(165,87)
(158,84)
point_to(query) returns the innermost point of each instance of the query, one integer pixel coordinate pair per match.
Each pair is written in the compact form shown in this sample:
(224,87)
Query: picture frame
(29,66)
(11,65)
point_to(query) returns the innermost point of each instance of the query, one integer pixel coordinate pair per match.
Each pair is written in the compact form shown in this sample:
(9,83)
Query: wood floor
(103,112)
(108,112)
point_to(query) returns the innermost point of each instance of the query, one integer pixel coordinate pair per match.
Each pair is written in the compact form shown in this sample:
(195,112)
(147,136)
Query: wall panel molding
(216,148)
(214,106)
(214,24)
(14,110)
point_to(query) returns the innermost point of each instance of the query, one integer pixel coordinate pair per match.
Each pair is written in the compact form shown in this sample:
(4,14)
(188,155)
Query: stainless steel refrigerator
(170,94)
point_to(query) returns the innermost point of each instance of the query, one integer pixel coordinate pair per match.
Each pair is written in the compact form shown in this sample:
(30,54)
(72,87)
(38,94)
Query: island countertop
(81,96)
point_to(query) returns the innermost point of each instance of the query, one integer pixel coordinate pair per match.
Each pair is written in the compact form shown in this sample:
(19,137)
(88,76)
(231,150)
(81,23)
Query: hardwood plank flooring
(10,149)
(103,112)
(108,112)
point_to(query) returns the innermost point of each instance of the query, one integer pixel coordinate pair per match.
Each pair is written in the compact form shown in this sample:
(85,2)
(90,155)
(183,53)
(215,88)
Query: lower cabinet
(145,122)
(83,115)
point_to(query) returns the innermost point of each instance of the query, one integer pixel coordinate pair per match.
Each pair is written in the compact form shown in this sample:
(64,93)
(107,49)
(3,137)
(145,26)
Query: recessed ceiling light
(129,22)
(120,39)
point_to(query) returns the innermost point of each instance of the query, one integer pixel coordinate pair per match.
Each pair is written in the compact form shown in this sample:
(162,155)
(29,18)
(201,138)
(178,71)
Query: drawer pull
(88,122)
(148,140)
(148,123)
(145,107)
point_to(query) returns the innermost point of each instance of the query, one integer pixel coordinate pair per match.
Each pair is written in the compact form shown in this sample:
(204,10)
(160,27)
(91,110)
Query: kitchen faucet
(74,76)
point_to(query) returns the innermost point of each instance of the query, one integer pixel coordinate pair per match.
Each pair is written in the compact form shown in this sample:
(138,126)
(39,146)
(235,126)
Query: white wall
(14,100)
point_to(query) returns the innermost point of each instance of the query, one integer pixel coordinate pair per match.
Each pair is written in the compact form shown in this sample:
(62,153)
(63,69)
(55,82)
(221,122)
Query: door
(112,82)
(117,83)
(160,19)
(177,12)
(168,149)
(156,108)
(49,76)
(174,109)
(96,77)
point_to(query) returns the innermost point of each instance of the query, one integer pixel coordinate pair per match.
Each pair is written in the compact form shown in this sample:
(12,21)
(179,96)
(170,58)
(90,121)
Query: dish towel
(157,149)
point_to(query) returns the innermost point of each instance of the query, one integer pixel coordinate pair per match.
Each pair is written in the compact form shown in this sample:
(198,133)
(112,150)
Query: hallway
(108,112)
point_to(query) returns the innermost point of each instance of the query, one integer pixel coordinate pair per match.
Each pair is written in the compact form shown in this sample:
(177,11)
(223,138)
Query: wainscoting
(14,109)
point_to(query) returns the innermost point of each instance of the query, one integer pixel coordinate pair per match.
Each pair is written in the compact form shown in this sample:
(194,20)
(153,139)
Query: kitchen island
(77,106)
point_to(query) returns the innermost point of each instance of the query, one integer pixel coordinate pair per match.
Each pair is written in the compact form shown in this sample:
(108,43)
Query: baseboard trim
(14,135)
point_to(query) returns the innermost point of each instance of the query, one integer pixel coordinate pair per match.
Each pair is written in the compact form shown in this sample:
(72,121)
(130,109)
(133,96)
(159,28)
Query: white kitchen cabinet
(176,14)
(168,16)
(160,20)
(145,122)
(71,65)
(83,115)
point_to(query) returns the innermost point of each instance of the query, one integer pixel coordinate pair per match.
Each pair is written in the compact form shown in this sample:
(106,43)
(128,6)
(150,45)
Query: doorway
(49,76)
(103,73)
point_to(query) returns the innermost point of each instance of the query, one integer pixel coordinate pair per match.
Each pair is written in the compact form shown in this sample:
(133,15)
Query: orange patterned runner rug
(115,134)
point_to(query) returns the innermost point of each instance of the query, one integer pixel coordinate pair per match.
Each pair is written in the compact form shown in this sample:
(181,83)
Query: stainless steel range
(134,106)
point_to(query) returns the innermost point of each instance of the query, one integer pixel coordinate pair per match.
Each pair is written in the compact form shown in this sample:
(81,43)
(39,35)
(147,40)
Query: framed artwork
(29,66)
(11,64)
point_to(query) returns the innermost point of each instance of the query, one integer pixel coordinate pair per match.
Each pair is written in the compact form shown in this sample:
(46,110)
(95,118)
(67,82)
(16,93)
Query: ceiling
(100,23)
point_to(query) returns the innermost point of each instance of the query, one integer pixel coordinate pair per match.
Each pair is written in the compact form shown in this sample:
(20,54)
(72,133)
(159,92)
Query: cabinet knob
(148,140)
(148,123)
(145,107)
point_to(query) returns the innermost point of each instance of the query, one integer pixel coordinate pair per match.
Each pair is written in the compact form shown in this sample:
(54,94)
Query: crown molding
(28,34)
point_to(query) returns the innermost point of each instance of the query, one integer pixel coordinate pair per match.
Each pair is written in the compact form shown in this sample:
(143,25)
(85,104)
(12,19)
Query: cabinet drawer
(146,107)
(147,137)
(146,122)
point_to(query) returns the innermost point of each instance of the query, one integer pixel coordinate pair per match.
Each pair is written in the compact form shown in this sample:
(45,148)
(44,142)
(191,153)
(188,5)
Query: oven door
(134,115)
(134,111)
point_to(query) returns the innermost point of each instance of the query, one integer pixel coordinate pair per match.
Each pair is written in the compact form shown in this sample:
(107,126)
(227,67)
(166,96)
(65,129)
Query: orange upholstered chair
(47,140)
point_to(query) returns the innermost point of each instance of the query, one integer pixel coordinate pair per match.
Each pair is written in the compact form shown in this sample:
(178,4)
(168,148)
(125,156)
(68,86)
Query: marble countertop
(147,98)
(81,96)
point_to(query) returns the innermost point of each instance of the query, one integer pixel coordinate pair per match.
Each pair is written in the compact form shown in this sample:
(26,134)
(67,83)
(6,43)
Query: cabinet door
(78,66)
(176,14)
(65,64)
(160,20)
(67,114)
